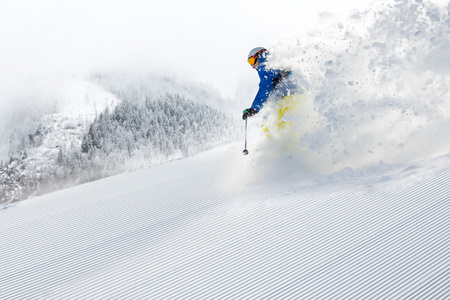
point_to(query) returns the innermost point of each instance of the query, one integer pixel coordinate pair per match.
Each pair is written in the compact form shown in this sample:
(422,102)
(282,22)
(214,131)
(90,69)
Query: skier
(270,81)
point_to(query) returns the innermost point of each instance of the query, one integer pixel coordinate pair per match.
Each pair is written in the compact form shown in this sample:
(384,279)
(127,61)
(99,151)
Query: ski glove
(248,113)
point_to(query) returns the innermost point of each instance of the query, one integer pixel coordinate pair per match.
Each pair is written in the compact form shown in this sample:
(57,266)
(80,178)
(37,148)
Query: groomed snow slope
(192,229)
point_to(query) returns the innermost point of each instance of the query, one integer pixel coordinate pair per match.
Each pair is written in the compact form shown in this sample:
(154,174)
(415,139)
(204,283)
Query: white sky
(200,39)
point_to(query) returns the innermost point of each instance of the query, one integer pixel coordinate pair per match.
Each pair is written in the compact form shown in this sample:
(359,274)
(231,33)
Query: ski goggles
(252,59)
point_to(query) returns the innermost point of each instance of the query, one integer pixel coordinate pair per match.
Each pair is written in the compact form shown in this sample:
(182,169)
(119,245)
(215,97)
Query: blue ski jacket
(269,81)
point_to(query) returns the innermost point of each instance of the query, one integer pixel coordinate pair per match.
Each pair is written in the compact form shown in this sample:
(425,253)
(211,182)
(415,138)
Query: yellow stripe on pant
(287,108)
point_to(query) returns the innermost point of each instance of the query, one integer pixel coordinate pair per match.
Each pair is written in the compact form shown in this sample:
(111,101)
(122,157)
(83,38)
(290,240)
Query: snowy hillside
(37,139)
(193,229)
(109,125)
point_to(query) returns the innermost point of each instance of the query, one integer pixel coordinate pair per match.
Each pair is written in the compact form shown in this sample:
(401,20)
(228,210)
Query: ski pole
(245,150)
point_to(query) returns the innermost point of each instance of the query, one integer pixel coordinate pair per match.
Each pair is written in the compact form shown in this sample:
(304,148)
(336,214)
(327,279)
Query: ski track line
(81,200)
(229,253)
(272,271)
(64,267)
(278,295)
(58,238)
(425,289)
(366,269)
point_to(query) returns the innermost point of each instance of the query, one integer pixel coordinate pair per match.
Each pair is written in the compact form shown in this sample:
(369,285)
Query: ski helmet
(254,53)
